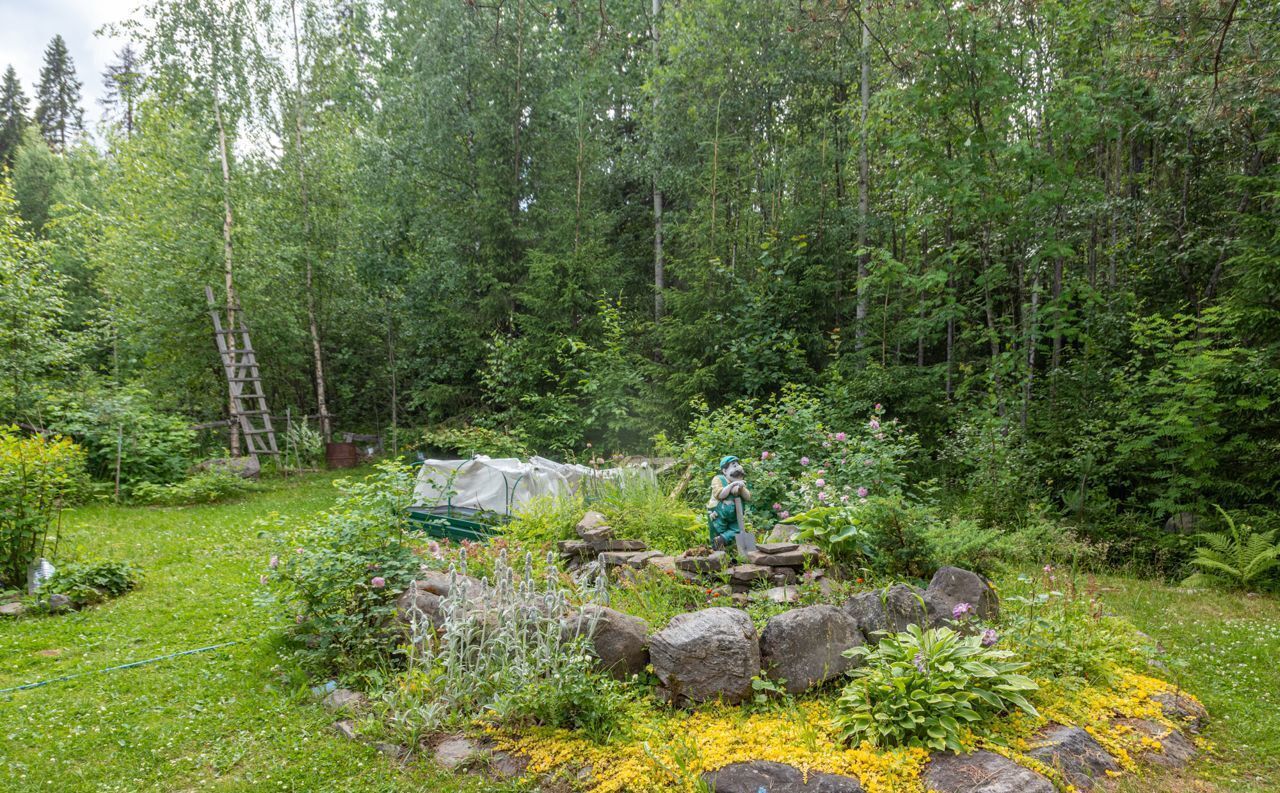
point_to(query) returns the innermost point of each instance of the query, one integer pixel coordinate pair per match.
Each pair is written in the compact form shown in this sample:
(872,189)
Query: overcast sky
(27,25)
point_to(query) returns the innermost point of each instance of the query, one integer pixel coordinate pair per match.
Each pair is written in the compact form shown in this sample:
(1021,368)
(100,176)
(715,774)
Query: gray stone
(981,772)
(782,576)
(799,557)
(1176,750)
(888,610)
(761,775)
(615,546)
(59,602)
(598,534)
(345,699)
(247,467)
(805,647)
(1183,709)
(612,559)
(782,532)
(1074,753)
(393,750)
(713,562)
(776,547)
(777,594)
(746,573)
(641,559)
(618,641)
(665,563)
(591,520)
(575,548)
(951,586)
(706,655)
(507,766)
(458,751)
(414,602)
(347,729)
(12,609)
(1183,523)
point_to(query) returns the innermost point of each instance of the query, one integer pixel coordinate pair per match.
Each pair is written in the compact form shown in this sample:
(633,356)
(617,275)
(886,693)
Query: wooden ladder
(243,381)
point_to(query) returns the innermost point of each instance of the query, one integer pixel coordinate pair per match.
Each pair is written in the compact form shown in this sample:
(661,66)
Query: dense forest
(1043,234)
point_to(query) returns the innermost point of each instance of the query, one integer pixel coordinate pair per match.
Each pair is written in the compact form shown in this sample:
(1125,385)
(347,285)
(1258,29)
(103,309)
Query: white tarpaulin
(504,484)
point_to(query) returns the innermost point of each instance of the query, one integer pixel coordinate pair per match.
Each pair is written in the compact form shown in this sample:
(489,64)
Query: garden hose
(114,668)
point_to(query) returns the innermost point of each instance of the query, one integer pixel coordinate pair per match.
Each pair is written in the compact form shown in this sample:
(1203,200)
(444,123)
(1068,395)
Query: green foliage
(544,520)
(470,440)
(153,446)
(923,688)
(337,576)
(509,661)
(1062,632)
(37,478)
(303,446)
(1238,558)
(203,487)
(886,534)
(637,508)
(93,582)
(657,595)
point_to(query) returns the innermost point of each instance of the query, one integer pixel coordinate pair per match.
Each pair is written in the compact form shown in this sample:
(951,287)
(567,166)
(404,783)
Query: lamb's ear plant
(1238,558)
(925,687)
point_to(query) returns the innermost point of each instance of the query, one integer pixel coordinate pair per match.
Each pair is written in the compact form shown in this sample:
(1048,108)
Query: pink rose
(822,496)
(862,492)
(378,582)
(879,406)
(841,436)
(764,455)
(820,483)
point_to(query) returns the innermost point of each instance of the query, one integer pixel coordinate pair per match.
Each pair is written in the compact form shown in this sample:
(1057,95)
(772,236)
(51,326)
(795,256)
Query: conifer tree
(58,110)
(13,115)
(123,81)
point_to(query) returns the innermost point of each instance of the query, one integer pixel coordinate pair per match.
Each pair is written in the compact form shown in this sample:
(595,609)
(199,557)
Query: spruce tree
(122,80)
(58,110)
(13,115)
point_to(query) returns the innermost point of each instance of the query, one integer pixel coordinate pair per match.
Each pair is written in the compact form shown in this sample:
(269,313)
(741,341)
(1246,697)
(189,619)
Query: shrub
(37,477)
(886,534)
(508,661)
(205,487)
(545,519)
(469,440)
(923,688)
(1237,558)
(637,508)
(303,446)
(154,446)
(91,583)
(337,576)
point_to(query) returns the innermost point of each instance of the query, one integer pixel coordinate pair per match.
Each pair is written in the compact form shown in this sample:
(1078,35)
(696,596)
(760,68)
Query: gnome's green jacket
(722,517)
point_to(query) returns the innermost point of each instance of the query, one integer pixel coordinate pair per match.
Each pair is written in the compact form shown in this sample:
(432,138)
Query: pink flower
(822,496)
(274,562)
(764,455)
(433,548)
(879,406)
(845,498)
(874,424)
(820,483)
(1048,568)
(378,582)
(822,472)
(777,507)
(960,610)
(862,492)
(804,460)
(841,436)
(262,580)
(784,514)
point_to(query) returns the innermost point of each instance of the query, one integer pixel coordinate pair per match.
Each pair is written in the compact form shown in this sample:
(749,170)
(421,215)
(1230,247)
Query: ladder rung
(245,379)
(255,432)
(251,412)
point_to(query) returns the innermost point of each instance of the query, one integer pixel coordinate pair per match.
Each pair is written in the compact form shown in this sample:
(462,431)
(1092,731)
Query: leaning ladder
(243,381)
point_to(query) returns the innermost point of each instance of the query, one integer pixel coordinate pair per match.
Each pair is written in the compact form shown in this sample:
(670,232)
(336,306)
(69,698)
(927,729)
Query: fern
(1237,558)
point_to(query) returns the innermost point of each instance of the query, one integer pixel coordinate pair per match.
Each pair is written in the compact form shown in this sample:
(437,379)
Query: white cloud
(26,28)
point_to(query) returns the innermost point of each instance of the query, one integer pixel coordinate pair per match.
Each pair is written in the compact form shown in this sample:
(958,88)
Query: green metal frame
(448,522)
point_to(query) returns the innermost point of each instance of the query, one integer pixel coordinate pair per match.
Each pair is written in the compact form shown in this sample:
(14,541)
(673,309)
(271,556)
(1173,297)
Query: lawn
(235,719)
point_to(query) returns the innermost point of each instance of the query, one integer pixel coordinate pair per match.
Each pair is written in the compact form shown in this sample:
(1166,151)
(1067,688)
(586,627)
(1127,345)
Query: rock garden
(623,641)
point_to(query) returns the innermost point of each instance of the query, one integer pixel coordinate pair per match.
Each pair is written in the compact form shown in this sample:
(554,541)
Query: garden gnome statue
(724,509)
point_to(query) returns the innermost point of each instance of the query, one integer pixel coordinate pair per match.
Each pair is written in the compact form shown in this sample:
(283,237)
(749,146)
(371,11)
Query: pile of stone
(771,572)
(596,543)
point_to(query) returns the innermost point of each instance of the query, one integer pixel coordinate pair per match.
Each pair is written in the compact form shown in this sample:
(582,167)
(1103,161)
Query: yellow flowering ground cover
(668,749)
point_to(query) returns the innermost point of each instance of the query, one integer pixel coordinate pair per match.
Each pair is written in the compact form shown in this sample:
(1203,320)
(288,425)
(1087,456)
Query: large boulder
(706,655)
(1183,709)
(770,777)
(591,520)
(431,587)
(1175,749)
(618,639)
(247,467)
(1183,523)
(981,772)
(888,610)
(951,586)
(1073,753)
(805,647)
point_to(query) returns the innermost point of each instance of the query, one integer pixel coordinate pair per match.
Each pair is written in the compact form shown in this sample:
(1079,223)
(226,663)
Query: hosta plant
(924,687)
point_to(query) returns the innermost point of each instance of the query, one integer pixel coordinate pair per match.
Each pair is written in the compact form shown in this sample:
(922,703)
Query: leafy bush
(336,577)
(205,487)
(887,534)
(637,508)
(91,583)
(545,519)
(992,468)
(1061,631)
(922,688)
(37,478)
(509,661)
(470,440)
(1238,558)
(154,446)
(303,446)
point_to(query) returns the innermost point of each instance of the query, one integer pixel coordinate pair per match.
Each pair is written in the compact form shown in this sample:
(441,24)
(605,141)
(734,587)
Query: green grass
(238,718)
(229,719)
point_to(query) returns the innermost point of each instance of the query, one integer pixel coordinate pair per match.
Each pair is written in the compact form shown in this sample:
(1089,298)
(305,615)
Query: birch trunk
(228,222)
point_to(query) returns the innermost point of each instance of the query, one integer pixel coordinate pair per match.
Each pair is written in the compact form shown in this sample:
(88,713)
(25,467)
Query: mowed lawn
(236,718)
